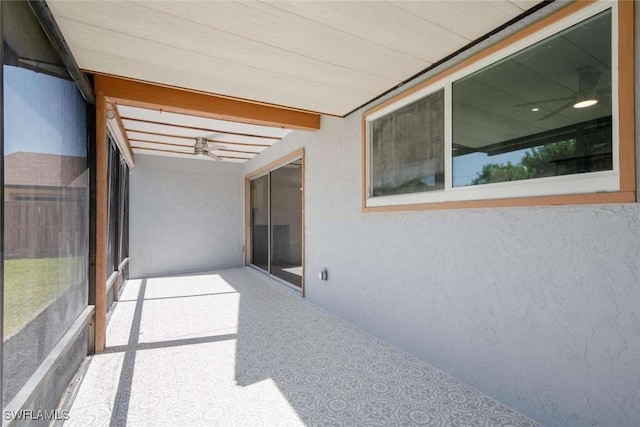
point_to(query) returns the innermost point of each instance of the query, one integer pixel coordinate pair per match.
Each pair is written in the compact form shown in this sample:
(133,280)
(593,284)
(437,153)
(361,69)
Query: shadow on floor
(236,348)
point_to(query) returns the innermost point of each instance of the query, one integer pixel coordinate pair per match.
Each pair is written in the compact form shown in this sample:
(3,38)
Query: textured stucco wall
(537,307)
(185,216)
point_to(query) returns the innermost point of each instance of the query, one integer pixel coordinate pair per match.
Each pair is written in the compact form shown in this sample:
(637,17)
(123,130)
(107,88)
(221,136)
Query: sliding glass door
(286,223)
(276,222)
(260,222)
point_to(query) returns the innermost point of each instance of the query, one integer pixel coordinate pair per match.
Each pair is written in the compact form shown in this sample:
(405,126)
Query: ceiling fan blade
(526,104)
(213,156)
(210,147)
(556,111)
(211,136)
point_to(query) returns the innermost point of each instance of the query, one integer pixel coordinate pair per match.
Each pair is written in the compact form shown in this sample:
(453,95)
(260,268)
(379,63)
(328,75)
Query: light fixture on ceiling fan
(586,96)
(587,82)
(204,147)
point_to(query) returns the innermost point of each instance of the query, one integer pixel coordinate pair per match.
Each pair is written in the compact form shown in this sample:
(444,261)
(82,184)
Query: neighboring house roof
(45,170)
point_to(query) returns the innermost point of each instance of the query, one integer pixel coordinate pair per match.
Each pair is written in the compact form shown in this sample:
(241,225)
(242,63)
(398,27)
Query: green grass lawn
(30,285)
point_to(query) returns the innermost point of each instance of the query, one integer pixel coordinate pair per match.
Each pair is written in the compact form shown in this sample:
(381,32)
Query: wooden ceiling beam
(175,125)
(146,95)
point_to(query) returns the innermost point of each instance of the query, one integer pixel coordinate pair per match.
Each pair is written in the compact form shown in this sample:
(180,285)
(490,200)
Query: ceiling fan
(586,96)
(203,146)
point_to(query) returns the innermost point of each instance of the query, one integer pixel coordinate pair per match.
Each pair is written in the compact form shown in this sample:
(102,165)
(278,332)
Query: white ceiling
(168,134)
(327,57)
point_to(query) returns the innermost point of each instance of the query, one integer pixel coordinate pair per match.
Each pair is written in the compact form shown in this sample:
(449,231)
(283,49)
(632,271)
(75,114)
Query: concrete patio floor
(234,347)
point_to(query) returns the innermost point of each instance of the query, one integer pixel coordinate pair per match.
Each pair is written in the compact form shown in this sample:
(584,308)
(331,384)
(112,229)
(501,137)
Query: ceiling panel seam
(289,78)
(457,53)
(243,65)
(337,29)
(294,52)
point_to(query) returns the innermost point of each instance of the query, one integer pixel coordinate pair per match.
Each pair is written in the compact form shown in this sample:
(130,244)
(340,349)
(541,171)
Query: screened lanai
(320,213)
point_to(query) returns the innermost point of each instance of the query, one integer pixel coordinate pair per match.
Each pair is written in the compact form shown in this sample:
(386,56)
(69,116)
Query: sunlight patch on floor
(94,401)
(238,348)
(189,317)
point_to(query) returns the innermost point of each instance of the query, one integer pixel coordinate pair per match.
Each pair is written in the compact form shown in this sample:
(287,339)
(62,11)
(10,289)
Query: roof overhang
(327,57)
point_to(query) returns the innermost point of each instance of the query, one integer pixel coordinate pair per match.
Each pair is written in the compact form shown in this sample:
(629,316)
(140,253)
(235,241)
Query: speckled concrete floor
(235,348)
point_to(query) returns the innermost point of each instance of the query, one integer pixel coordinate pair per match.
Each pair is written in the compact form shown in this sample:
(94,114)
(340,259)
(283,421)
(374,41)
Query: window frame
(613,186)
(247,248)
(113,202)
(123,193)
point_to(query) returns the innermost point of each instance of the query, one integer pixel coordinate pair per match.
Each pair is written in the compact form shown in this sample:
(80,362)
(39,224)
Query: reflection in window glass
(46,199)
(286,223)
(123,213)
(260,222)
(114,202)
(407,148)
(545,111)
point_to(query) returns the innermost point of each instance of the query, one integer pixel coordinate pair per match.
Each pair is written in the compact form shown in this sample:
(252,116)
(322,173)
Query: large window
(113,224)
(123,212)
(118,223)
(537,118)
(46,221)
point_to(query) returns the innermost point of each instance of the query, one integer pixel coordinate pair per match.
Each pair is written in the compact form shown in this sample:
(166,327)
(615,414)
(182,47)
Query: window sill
(571,199)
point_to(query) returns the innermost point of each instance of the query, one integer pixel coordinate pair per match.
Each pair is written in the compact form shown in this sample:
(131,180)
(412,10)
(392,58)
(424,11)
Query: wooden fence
(45,229)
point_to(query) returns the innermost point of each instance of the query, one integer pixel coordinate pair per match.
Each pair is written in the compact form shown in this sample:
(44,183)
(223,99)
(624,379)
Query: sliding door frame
(266,170)
(250,222)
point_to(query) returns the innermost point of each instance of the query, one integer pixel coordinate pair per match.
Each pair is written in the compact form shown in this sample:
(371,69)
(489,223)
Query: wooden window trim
(275,164)
(626,120)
